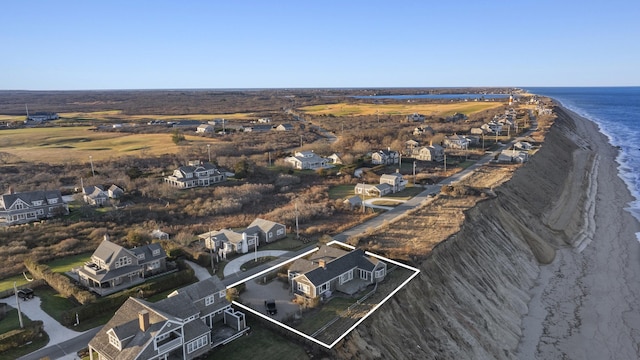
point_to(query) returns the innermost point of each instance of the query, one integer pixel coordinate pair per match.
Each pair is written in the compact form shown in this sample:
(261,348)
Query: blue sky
(61,45)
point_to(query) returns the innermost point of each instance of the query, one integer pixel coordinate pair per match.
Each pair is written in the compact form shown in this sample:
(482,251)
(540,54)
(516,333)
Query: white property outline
(300,333)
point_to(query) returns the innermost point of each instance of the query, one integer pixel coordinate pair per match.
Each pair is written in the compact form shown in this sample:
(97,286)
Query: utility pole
(15,291)
(414,173)
(211,246)
(209,151)
(297,228)
(269,152)
(300,140)
(445,162)
(91,161)
(363,196)
(255,247)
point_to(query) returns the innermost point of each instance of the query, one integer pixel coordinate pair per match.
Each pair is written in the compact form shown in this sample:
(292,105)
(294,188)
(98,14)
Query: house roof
(264,225)
(327,253)
(148,250)
(337,267)
(124,324)
(6,200)
(106,251)
(181,305)
(392,177)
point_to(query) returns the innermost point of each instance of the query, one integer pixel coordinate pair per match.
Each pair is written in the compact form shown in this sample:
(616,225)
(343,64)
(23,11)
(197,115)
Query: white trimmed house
(306,160)
(196,174)
(24,207)
(330,269)
(186,325)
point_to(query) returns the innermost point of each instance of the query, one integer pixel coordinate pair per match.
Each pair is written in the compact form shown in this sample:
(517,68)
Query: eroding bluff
(472,292)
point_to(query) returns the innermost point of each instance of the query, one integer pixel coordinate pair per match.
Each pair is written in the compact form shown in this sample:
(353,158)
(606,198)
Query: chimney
(106,237)
(322,263)
(143,320)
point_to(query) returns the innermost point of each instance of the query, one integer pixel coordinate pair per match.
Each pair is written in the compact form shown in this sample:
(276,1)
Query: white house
(306,160)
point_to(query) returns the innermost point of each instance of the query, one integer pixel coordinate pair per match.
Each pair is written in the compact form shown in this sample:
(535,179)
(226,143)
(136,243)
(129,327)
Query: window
(141,256)
(53,201)
(208,300)
(19,206)
(161,337)
(322,288)
(280,232)
(270,234)
(380,273)
(304,288)
(364,274)
(222,294)
(346,277)
(123,261)
(156,252)
(197,344)
(37,203)
(113,340)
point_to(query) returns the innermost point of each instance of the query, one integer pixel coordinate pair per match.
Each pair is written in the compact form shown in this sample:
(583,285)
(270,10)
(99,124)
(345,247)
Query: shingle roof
(339,266)
(31,196)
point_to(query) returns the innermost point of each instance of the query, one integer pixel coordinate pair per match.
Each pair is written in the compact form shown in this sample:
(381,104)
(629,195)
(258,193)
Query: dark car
(270,307)
(25,294)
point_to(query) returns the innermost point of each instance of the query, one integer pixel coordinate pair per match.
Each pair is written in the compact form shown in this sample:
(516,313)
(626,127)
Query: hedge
(112,302)
(59,282)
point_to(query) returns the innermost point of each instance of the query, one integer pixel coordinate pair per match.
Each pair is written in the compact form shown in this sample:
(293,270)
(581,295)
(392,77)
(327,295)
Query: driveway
(256,293)
(200,272)
(57,333)
(234,265)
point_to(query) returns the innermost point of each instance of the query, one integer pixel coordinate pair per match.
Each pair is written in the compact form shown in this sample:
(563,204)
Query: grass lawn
(68,262)
(466,164)
(7,283)
(317,318)
(252,263)
(11,322)
(260,343)
(289,243)
(341,191)
(406,194)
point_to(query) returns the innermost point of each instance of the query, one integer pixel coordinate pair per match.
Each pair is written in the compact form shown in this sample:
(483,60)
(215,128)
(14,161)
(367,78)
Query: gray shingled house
(113,268)
(330,269)
(24,207)
(187,324)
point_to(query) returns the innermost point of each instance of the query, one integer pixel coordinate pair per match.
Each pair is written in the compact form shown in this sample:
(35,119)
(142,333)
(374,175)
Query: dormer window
(222,294)
(113,340)
(156,252)
(208,300)
(141,256)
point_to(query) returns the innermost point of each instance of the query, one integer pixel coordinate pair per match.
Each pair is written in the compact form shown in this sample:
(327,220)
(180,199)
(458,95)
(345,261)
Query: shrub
(59,282)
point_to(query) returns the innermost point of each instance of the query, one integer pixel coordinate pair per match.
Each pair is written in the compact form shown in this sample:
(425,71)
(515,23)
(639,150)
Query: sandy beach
(586,303)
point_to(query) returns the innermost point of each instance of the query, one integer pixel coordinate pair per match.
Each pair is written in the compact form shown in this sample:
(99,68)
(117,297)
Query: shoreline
(586,303)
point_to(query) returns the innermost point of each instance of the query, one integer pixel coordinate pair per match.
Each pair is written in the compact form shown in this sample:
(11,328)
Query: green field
(341,192)
(59,144)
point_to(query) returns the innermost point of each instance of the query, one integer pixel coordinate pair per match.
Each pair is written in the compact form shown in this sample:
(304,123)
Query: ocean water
(616,110)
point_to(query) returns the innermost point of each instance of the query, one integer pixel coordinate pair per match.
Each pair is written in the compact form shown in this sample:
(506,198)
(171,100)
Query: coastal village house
(306,160)
(430,153)
(205,129)
(196,174)
(24,207)
(385,157)
(330,269)
(395,180)
(456,142)
(186,325)
(226,241)
(97,196)
(113,268)
(377,190)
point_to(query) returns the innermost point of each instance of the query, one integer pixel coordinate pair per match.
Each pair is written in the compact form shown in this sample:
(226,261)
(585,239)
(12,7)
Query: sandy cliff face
(472,292)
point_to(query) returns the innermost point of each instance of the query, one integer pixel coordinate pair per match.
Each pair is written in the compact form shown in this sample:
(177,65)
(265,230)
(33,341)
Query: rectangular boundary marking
(308,337)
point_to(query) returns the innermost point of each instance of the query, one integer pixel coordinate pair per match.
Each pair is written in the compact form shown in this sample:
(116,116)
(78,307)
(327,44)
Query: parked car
(25,294)
(270,307)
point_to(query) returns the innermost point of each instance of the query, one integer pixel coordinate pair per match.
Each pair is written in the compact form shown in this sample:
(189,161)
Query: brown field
(62,144)
(119,115)
(344,109)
